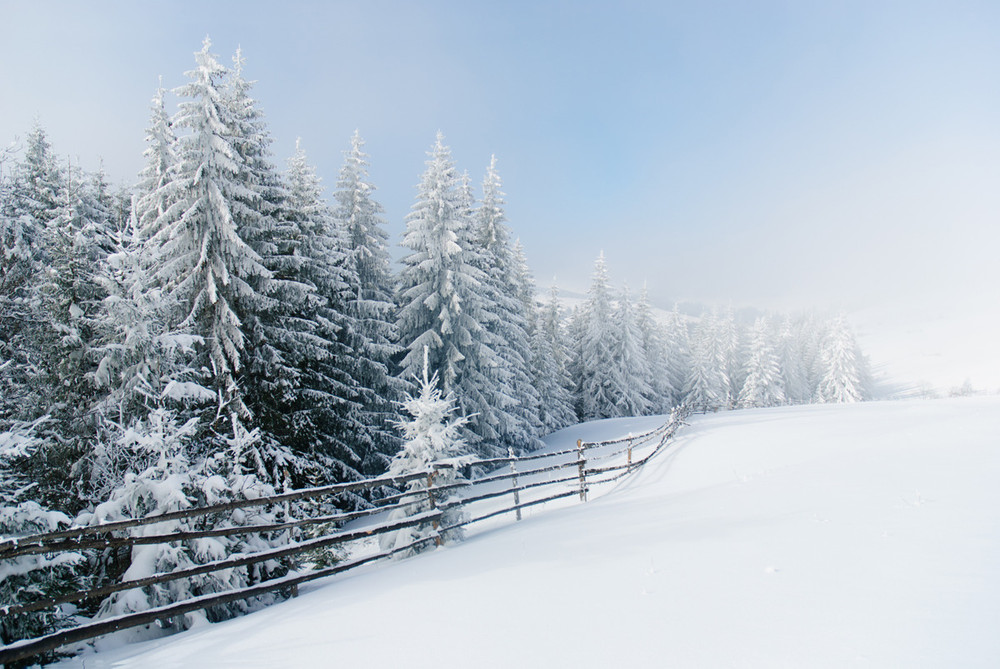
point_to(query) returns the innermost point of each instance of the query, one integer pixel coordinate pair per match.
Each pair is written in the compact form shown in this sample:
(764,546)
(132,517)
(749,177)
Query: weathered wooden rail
(590,464)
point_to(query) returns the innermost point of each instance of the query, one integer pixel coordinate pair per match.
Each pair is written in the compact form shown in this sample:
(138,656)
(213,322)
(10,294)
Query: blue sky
(780,154)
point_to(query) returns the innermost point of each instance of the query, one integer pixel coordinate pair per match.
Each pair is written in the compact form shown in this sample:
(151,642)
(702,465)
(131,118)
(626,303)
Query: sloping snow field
(822,536)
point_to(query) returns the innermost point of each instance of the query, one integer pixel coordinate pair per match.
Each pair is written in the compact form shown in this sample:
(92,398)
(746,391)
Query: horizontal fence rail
(530,480)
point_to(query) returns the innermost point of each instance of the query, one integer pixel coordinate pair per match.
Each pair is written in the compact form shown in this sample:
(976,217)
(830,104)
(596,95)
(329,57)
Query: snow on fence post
(629,466)
(517,492)
(580,466)
(430,499)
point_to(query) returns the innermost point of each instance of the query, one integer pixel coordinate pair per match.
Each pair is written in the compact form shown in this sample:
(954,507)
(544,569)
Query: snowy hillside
(831,536)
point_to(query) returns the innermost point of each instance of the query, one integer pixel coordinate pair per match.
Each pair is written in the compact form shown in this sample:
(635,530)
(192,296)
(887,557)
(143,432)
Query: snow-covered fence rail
(529,480)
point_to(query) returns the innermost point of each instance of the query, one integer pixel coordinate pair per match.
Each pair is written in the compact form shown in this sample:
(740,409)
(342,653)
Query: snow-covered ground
(821,536)
(936,347)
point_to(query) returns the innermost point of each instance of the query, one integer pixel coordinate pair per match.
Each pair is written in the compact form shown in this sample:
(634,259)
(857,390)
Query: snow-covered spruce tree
(372,339)
(597,388)
(212,280)
(528,401)
(325,419)
(793,368)
(64,301)
(439,302)
(287,341)
(508,312)
(844,374)
(20,237)
(152,195)
(78,243)
(549,364)
(140,366)
(167,479)
(677,344)
(432,435)
(661,392)
(811,332)
(32,196)
(706,387)
(630,368)
(29,578)
(764,385)
(729,347)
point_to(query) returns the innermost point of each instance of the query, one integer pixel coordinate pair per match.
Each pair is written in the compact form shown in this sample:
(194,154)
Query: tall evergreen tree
(24,191)
(373,336)
(661,393)
(764,385)
(322,414)
(440,306)
(677,344)
(551,376)
(286,341)
(630,367)
(793,370)
(597,389)
(213,280)
(706,387)
(843,378)
(152,196)
(508,312)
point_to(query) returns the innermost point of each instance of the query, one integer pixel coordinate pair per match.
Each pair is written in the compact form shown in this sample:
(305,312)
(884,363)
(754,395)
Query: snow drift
(841,536)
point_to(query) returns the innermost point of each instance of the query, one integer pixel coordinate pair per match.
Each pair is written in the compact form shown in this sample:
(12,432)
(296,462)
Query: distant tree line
(222,330)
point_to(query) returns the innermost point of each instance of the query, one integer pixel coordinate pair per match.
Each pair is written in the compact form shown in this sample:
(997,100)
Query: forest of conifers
(222,329)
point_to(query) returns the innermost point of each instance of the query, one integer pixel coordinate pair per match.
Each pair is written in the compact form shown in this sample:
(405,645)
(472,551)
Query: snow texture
(859,535)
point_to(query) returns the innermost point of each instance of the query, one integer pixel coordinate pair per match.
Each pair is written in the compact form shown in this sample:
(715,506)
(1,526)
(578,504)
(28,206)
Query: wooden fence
(529,480)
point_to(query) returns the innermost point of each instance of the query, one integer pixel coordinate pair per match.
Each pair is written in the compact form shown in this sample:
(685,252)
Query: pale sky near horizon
(777,154)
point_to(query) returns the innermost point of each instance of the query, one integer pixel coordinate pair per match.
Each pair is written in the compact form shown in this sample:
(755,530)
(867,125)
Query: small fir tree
(432,436)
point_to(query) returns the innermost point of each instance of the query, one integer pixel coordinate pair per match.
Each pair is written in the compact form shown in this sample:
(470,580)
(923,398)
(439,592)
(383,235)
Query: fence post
(430,498)
(517,491)
(629,467)
(580,466)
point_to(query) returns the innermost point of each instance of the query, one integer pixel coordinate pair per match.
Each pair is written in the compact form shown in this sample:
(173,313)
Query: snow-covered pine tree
(630,368)
(508,309)
(77,245)
(140,367)
(706,387)
(661,393)
(167,478)
(30,578)
(327,417)
(432,435)
(793,370)
(844,374)
(212,279)
(152,196)
(677,344)
(551,376)
(764,385)
(32,196)
(811,332)
(597,389)
(528,400)
(373,339)
(287,341)
(39,186)
(729,348)
(439,301)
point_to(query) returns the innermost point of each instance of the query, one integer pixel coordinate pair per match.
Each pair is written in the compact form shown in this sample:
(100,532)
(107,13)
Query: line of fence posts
(290,583)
